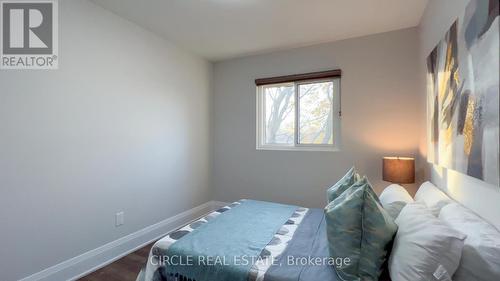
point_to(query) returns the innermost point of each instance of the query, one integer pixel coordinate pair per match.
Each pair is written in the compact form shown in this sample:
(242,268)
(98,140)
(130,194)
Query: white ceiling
(221,29)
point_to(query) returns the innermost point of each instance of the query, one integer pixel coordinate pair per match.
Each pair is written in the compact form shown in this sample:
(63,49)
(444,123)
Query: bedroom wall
(123,125)
(380,117)
(477,195)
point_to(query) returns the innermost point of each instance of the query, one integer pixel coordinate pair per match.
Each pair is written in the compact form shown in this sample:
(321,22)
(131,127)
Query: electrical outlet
(119,218)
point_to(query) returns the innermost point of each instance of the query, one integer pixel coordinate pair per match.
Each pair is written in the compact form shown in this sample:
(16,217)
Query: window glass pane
(279,103)
(316,113)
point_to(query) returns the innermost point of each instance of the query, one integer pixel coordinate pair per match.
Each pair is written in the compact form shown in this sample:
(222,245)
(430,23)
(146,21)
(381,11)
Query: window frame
(297,146)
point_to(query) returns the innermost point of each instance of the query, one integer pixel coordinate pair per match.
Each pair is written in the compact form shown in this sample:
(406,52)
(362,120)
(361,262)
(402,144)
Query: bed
(290,243)
(296,250)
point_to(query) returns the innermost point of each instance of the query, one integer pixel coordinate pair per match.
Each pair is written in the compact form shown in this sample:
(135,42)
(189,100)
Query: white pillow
(425,248)
(432,197)
(481,252)
(394,198)
(393,193)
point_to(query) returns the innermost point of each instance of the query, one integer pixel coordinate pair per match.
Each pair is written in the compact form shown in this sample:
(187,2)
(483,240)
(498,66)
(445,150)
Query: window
(302,114)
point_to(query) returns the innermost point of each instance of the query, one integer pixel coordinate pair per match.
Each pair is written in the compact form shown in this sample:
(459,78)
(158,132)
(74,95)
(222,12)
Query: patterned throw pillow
(359,229)
(344,183)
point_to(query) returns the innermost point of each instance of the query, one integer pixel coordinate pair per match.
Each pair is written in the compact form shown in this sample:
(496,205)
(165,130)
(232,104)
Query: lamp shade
(398,169)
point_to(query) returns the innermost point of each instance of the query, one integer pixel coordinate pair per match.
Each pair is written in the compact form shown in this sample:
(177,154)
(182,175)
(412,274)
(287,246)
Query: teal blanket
(226,247)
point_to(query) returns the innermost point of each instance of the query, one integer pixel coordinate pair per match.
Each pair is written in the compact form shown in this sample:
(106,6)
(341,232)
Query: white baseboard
(218,204)
(92,260)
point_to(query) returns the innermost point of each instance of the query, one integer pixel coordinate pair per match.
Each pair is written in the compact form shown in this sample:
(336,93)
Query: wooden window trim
(299,77)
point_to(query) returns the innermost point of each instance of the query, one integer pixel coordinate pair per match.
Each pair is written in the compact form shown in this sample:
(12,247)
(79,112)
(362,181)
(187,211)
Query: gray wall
(380,117)
(479,196)
(123,125)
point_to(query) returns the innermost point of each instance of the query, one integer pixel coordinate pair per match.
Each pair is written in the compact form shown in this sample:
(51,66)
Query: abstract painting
(463,94)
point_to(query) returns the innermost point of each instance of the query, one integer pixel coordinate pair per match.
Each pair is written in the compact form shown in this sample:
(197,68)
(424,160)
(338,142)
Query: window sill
(299,148)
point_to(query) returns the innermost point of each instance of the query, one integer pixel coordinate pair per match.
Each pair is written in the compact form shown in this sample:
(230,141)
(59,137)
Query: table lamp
(398,169)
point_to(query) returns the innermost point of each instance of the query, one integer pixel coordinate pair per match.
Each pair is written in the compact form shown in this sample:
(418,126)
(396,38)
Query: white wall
(123,125)
(380,117)
(479,196)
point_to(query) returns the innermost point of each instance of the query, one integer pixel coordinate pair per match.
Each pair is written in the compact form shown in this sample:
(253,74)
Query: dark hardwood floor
(124,269)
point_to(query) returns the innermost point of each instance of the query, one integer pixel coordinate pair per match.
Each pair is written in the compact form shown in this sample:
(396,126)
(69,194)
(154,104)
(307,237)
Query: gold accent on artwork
(448,135)
(469,127)
(456,77)
(449,78)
